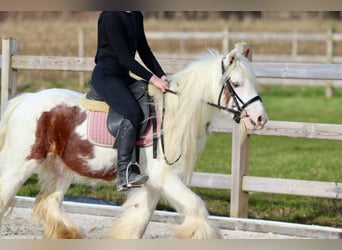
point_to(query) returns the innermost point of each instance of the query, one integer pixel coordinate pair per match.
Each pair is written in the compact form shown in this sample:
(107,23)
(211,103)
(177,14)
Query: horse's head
(240,92)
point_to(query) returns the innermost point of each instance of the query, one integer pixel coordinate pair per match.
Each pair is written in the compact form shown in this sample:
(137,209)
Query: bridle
(238,112)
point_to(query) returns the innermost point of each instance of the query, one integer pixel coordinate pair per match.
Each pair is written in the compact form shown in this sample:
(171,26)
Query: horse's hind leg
(55,180)
(13,174)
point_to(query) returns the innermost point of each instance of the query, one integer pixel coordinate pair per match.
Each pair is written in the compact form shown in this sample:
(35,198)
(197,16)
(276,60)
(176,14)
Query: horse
(44,133)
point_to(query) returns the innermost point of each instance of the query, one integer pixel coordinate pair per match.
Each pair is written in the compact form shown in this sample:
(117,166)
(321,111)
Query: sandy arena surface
(18,225)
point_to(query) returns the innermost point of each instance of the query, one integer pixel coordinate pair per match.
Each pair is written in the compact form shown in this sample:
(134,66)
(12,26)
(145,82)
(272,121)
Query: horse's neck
(185,138)
(187,117)
(189,105)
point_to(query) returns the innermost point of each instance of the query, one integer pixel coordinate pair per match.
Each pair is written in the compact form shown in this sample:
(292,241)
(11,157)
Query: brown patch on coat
(55,134)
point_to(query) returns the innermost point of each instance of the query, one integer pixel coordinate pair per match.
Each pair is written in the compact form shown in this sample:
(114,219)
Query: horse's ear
(231,57)
(246,52)
(244,49)
(240,48)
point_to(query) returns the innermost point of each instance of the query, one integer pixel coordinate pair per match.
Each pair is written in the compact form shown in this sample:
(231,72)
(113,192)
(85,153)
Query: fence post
(294,51)
(81,53)
(8,75)
(329,91)
(240,164)
(240,158)
(226,40)
(182,44)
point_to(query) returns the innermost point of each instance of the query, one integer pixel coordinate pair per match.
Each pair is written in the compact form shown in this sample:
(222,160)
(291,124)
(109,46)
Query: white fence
(239,182)
(330,39)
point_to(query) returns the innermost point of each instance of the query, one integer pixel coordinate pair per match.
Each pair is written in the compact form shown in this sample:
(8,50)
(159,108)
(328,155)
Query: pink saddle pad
(98,133)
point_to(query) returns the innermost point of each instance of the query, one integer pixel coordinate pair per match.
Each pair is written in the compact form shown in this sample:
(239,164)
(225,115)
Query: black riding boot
(128,172)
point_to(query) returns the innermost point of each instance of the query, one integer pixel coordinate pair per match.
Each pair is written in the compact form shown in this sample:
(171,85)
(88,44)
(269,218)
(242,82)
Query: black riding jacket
(120,36)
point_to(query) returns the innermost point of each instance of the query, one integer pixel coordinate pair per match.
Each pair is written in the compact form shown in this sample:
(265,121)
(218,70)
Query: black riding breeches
(116,92)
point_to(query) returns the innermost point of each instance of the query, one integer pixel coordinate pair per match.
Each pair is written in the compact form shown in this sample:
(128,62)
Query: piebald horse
(46,133)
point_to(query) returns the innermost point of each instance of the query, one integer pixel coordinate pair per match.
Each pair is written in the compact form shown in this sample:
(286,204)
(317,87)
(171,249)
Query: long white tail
(11,106)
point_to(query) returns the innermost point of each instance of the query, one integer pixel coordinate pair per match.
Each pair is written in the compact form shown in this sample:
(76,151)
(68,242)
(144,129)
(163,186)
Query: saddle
(103,121)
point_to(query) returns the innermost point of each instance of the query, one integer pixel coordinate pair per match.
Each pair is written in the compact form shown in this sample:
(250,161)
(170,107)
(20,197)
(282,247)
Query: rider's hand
(164,77)
(161,83)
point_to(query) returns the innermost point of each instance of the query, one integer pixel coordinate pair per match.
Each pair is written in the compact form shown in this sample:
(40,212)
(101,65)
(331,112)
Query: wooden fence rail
(330,38)
(239,182)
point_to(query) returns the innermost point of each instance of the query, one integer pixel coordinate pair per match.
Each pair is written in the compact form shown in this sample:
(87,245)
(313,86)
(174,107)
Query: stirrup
(131,184)
(140,182)
(121,188)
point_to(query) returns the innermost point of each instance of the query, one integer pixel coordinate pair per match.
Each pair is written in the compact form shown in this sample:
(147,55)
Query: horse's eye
(236,84)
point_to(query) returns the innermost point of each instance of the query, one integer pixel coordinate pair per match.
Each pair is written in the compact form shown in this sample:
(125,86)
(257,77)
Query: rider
(120,36)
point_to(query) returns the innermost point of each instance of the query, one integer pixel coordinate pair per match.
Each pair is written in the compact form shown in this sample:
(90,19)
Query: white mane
(187,116)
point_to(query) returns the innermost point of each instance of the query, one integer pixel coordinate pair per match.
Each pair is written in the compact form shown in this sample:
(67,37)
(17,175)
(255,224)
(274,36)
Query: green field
(270,156)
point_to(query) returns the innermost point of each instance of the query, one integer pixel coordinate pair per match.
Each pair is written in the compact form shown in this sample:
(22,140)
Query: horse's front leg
(196,224)
(137,212)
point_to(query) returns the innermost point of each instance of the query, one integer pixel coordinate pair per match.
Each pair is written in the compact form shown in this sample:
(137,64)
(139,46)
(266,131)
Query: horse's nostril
(261,119)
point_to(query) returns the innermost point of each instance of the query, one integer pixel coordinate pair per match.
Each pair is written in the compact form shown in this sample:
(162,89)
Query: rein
(237,112)
(162,133)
